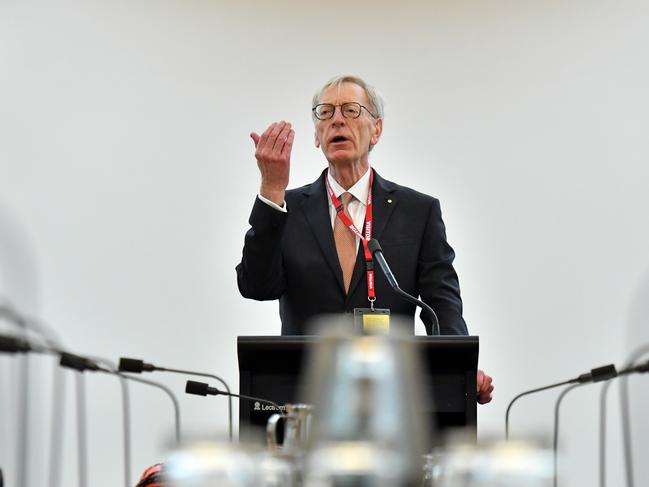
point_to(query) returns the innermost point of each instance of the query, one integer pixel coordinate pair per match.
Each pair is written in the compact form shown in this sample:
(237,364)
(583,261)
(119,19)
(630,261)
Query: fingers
(273,140)
(261,144)
(288,145)
(255,138)
(480,379)
(485,398)
(484,387)
(279,136)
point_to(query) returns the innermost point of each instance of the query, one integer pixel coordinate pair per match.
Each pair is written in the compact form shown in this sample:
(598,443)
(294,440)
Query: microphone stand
(602,419)
(211,376)
(26,324)
(137,366)
(377,253)
(555,442)
(598,374)
(602,432)
(126,417)
(24,393)
(595,375)
(532,391)
(82,449)
(626,417)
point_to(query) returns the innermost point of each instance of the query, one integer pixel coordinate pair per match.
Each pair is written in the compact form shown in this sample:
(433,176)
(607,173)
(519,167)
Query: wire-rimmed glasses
(352,109)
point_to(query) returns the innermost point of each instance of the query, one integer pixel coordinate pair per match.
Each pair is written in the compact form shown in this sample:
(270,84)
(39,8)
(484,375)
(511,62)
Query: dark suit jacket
(292,257)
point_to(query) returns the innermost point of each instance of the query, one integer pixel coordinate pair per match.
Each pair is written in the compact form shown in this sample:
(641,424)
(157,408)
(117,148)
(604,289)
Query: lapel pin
(389,201)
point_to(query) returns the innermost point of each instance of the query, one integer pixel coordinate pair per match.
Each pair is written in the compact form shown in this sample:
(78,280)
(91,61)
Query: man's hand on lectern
(485,387)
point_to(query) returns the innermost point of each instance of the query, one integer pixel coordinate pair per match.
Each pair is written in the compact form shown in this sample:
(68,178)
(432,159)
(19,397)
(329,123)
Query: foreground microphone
(595,375)
(126,417)
(374,247)
(137,366)
(12,344)
(203,389)
(30,324)
(626,417)
(642,368)
(24,393)
(82,364)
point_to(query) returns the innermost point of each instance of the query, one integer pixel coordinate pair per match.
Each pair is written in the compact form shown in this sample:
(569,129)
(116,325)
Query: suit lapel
(316,211)
(383,203)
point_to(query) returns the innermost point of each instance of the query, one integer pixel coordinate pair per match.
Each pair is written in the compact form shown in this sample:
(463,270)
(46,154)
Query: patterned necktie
(345,243)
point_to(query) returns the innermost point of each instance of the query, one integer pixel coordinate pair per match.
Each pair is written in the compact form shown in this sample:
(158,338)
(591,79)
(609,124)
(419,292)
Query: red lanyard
(340,213)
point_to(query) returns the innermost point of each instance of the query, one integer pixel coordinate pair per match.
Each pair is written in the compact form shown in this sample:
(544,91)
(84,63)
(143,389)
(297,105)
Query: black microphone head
(374,246)
(13,344)
(76,362)
(603,373)
(197,388)
(642,367)
(131,365)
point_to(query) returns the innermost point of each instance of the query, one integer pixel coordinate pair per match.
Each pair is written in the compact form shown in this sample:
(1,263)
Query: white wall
(127,176)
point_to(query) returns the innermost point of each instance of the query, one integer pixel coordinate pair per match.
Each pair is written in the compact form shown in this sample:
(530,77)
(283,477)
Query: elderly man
(307,246)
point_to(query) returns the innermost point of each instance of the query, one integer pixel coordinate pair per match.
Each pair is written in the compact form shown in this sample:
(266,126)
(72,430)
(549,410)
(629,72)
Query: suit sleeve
(260,275)
(437,280)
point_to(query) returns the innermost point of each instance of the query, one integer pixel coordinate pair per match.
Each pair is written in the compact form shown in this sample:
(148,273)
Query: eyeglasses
(325,111)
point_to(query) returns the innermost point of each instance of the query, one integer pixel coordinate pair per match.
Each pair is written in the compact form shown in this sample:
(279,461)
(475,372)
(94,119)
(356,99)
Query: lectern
(270,367)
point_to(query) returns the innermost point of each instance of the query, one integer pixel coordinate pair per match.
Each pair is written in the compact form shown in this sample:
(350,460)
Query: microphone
(203,389)
(595,375)
(24,392)
(377,253)
(598,374)
(12,344)
(27,325)
(126,417)
(375,248)
(82,364)
(79,363)
(639,369)
(137,366)
(134,365)
(642,368)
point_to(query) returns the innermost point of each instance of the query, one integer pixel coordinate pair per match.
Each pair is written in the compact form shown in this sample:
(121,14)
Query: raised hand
(273,154)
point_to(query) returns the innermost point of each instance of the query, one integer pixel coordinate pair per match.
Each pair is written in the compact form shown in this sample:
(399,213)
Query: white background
(127,177)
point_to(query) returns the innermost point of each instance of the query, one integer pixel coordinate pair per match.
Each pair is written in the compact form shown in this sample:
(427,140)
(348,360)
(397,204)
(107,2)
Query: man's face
(346,140)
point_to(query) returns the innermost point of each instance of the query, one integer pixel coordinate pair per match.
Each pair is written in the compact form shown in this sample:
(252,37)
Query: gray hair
(373,96)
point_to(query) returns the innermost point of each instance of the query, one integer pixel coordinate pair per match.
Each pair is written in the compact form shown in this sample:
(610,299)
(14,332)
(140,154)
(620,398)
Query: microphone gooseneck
(625,415)
(126,417)
(595,375)
(555,442)
(81,364)
(203,389)
(375,248)
(138,366)
(49,335)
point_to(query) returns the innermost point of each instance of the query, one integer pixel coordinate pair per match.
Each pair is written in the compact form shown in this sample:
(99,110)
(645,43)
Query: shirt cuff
(274,205)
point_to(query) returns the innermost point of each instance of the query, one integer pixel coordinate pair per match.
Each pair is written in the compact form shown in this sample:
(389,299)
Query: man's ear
(316,140)
(377,131)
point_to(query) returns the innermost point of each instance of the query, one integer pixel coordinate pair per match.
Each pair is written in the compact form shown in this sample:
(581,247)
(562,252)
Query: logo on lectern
(257,406)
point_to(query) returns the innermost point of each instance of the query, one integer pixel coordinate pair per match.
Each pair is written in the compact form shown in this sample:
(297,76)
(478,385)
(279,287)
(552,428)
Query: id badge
(372,321)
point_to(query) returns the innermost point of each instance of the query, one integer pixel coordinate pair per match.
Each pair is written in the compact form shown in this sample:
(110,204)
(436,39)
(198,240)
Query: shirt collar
(359,190)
